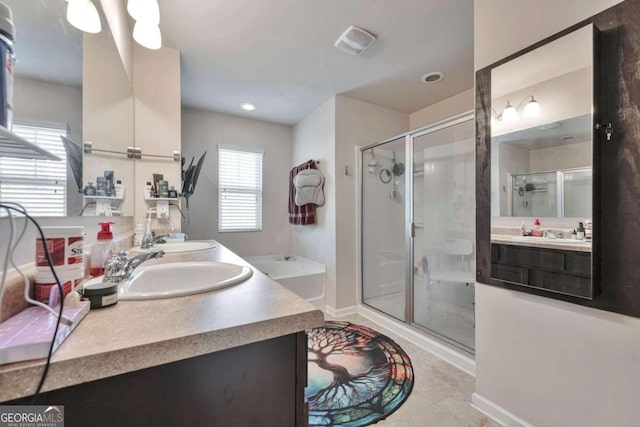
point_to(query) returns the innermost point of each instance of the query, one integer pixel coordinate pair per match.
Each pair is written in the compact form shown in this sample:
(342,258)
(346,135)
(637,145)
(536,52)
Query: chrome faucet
(119,267)
(149,240)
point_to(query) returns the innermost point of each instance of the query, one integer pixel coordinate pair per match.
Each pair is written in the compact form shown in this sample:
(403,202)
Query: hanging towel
(309,185)
(301,215)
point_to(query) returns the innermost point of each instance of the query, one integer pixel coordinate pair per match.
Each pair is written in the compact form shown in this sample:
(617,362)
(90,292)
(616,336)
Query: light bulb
(147,35)
(510,114)
(144,10)
(531,110)
(247,106)
(83,15)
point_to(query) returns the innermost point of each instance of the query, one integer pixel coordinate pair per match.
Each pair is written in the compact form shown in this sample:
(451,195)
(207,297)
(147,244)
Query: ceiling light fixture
(83,15)
(144,10)
(147,35)
(510,113)
(248,106)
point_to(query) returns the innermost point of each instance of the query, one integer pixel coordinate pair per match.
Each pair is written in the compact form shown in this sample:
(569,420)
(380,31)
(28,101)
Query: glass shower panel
(578,191)
(383,228)
(444,238)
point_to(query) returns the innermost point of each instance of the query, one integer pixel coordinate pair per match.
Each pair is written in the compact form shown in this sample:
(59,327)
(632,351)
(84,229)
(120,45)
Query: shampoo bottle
(102,249)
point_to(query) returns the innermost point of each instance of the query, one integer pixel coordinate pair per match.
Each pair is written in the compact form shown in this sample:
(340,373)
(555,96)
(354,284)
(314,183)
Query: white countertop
(508,239)
(134,335)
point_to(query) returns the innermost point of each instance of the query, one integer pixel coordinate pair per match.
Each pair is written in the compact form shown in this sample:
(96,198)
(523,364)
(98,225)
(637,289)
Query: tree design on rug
(361,376)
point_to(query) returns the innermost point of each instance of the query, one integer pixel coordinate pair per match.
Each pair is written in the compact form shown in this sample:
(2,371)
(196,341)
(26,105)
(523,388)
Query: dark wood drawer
(529,257)
(563,283)
(510,273)
(579,263)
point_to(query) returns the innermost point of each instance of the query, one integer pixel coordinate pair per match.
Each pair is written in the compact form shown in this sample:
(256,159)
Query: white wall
(38,101)
(314,137)
(202,131)
(156,88)
(548,362)
(457,104)
(358,123)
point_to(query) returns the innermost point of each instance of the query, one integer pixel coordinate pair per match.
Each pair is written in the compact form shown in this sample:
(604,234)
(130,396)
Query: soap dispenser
(102,249)
(537,228)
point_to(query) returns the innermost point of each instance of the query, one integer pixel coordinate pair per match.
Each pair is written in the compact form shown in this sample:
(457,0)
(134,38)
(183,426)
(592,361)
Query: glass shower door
(384,228)
(444,231)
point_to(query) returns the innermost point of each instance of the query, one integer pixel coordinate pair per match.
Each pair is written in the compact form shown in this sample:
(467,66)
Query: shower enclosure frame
(409,138)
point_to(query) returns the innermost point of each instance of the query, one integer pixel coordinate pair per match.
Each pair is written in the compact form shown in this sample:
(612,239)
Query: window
(39,185)
(239,189)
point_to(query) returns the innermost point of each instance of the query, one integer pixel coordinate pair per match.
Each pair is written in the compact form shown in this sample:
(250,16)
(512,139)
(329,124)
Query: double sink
(176,279)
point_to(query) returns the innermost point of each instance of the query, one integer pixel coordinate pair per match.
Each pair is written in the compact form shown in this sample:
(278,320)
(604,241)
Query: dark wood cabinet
(260,384)
(559,271)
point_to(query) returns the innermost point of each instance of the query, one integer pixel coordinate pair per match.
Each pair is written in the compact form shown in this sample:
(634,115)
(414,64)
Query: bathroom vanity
(235,356)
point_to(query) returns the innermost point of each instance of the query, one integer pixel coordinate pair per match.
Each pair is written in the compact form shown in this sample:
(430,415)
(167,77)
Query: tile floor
(441,393)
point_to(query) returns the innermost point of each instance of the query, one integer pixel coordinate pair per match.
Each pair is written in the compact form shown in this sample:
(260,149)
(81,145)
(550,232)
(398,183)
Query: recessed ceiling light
(433,77)
(248,106)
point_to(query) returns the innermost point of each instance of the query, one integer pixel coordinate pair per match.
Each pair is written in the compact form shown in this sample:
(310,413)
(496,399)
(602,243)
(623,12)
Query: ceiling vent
(355,40)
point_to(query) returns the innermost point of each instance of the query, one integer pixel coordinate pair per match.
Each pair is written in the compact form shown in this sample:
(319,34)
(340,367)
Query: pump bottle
(102,249)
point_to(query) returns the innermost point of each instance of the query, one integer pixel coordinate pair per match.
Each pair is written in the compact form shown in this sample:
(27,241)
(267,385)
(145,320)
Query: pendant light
(532,109)
(146,31)
(144,10)
(147,35)
(83,15)
(510,114)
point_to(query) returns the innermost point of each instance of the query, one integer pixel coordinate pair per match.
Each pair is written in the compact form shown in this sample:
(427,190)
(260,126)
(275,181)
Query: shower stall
(418,229)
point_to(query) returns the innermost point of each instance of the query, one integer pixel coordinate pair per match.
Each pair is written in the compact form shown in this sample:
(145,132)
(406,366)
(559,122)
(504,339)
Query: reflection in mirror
(542,166)
(54,102)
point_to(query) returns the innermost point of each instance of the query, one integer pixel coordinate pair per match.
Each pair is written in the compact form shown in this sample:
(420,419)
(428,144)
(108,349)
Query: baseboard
(497,412)
(453,356)
(352,309)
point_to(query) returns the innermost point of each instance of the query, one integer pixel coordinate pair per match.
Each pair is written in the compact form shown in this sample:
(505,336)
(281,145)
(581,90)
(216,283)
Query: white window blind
(39,185)
(239,189)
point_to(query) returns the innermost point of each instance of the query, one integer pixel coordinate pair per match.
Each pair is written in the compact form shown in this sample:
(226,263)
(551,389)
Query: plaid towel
(302,215)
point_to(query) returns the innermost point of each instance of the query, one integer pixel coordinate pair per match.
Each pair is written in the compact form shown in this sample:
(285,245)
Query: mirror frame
(483,174)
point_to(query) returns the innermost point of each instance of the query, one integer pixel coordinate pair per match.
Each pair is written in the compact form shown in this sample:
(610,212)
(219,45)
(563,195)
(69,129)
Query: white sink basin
(176,247)
(547,240)
(176,279)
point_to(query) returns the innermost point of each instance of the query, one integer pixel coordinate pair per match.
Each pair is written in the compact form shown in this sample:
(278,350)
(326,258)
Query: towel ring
(385,176)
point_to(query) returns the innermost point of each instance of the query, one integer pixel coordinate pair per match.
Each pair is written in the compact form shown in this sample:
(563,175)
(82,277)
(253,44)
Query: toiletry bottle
(523,229)
(119,190)
(537,229)
(100,189)
(102,249)
(90,190)
(139,234)
(148,191)
(588,229)
(173,194)
(580,231)
(164,189)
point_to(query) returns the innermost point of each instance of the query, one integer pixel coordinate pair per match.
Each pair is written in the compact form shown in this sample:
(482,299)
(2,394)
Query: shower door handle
(413,230)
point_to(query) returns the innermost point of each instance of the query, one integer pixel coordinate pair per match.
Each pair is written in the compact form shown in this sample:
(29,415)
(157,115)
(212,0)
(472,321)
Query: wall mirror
(542,166)
(70,87)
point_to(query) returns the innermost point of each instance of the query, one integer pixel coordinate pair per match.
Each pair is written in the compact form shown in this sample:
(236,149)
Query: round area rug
(356,375)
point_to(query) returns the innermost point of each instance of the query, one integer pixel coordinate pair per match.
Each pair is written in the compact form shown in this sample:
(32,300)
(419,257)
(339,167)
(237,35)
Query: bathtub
(300,275)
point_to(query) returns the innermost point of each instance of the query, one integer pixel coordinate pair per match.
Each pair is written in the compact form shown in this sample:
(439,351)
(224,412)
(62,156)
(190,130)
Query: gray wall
(202,131)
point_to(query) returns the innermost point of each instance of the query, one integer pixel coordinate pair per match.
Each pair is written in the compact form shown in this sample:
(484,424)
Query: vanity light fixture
(510,113)
(83,15)
(144,10)
(248,106)
(146,31)
(147,35)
